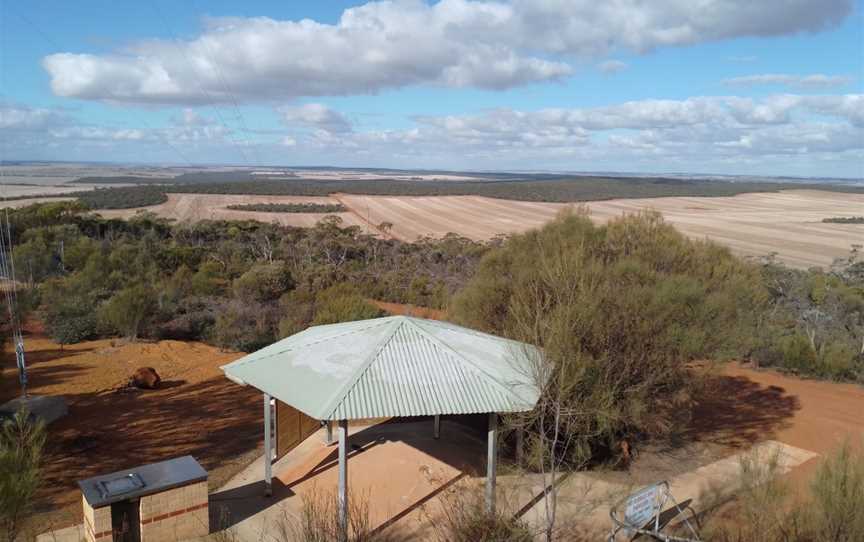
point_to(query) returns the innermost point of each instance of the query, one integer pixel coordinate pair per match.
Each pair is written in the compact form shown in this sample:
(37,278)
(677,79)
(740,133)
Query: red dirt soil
(196,411)
(811,414)
(199,412)
(402,309)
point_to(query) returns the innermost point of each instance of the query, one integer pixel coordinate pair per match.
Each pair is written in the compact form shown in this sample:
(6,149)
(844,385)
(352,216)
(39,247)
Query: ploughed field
(788,223)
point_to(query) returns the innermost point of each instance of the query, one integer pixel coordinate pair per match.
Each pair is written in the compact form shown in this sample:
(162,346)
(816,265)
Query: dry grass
(766,509)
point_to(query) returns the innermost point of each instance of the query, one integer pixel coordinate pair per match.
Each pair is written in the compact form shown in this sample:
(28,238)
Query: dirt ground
(197,411)
(408,310)
(809,414)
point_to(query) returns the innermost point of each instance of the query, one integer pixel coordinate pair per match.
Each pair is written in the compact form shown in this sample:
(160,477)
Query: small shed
(386,367)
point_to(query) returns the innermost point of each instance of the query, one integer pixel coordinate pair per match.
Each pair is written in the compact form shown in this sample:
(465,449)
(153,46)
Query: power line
(201,87)
(228,91)
(166,141)
(58,47)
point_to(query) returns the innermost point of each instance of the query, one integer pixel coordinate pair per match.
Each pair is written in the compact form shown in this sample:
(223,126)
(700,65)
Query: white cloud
(385,45)
(817,80)
(315,115)
(23,117)
(612,66)
(32,131)
(790,133)
(691,130)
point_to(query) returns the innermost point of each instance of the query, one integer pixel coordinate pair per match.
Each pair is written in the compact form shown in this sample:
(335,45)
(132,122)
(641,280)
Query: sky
(768,87)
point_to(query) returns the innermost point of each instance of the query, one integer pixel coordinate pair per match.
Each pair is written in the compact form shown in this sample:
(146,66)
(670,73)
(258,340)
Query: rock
(145,378)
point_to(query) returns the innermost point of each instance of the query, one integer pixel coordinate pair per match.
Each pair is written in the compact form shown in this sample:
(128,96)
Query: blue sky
(770,88)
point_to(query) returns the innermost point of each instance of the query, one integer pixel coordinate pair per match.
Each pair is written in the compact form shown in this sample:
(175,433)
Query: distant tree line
(124,197)
(290,207)
(541,188)
(844,220)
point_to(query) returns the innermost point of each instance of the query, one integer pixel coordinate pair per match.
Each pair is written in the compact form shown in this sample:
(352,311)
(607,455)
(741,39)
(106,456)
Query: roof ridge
(339,395)
(462,329)
(243,360)
(448,349)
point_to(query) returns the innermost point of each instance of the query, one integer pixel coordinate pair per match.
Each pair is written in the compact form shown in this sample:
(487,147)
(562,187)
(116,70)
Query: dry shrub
(764,509)
(462,517)
(838,497)
(319,521)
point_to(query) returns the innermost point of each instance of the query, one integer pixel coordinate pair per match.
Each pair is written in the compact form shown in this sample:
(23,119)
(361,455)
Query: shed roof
(394,366)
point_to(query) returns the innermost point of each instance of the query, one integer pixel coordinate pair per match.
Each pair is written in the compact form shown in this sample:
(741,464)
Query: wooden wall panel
(292,428)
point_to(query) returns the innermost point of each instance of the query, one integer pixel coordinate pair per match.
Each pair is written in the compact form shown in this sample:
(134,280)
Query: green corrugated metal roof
(395,366)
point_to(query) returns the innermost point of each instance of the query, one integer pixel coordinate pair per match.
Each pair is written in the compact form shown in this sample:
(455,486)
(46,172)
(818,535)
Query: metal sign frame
(642,511)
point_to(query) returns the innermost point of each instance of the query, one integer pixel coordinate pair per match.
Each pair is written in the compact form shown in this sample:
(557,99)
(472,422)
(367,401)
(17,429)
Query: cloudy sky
(768,87)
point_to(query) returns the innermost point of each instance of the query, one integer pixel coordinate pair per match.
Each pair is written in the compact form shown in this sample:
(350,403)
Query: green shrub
(129,310)
(342,303)
(244,327)
(208,280)
(21,445)
(798,354)
(192,319)
(620,310)
(264,282)
(71,328)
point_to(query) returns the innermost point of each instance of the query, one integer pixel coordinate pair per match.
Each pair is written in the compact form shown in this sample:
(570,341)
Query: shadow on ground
(737,412)
(374,473)
(215,421)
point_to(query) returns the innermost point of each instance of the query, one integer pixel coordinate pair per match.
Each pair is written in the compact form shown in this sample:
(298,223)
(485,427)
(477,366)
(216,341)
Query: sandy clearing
(788,222)
(192,207)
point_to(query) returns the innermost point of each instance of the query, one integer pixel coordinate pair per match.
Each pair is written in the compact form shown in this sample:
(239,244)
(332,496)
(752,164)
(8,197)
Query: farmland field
(787,222)
(194,207)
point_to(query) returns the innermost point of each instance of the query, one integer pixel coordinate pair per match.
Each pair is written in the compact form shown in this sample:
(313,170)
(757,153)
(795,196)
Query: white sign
(642,506)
